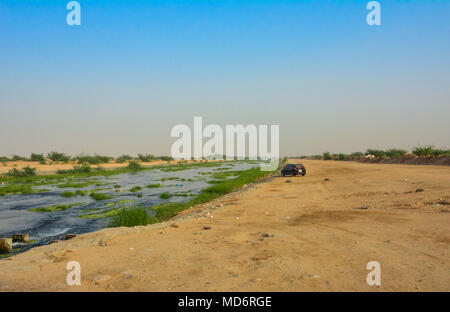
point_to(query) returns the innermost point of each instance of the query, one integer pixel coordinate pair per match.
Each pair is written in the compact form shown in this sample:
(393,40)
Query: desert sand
(314,233)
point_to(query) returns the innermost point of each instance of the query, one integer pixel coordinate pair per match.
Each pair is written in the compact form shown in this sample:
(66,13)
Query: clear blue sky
(133,69)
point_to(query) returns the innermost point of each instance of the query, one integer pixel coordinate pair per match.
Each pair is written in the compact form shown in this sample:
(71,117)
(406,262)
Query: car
(293,169)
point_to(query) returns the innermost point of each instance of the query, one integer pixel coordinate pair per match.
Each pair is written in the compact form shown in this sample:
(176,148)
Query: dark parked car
(293,169)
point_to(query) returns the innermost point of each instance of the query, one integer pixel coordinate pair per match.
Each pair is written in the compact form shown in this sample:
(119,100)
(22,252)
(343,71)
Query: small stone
(174,225)
(419,190)
(326,179)
(207,228)
(5,245)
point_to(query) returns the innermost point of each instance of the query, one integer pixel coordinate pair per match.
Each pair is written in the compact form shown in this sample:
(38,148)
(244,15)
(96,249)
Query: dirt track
(306,235)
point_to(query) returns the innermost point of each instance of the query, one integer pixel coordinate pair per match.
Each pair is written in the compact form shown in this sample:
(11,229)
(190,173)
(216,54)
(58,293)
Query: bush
(134,166)
(327,156)
(17,158)
(357,154)
(123,158)
(37,157)
(4,159)
(376,153)
(146,157)
(166,158)
(25,172)
(55,156)
(93,160)
(395,153)
(423,150)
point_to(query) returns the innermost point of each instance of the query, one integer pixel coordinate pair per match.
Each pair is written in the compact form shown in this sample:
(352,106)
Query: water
(16,217)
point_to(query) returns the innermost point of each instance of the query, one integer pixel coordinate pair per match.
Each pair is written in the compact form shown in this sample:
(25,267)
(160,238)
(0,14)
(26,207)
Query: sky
(119,82)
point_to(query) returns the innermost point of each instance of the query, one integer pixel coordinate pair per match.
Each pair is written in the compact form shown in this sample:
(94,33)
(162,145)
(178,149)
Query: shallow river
(16,215)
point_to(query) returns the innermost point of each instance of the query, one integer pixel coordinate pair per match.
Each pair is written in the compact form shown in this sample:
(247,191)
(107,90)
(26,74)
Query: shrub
(93,160)
(376,153)
(135,189)
(123,158)
(357,154)
(37,157)
(134,166)
(327,156)
(17,158)
(423,150)
(166,158)
(146,157)
(25,172)
(55,156)
(4,159)
(395,153)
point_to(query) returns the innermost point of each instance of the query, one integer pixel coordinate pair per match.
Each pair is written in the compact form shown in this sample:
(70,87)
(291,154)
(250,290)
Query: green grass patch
(67,194)
(153,185)
(132,216)
(135,189)
(100,196)
(165,195)
(12,189)
(56,207)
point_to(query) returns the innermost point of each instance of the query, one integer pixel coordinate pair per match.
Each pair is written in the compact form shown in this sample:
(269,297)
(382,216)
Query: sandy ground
(305,235)
(51,168)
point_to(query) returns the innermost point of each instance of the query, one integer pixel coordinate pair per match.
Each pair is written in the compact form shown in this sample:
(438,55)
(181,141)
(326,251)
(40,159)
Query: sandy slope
(322,239)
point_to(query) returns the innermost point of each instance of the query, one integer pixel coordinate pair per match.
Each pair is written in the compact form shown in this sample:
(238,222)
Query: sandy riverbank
(305,235)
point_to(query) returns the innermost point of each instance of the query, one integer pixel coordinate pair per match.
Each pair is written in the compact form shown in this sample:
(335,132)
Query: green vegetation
(154,185)
(74,185)
(38,157)
(99,196)
(58,157)
(146,157)
(102,214)
(81,192)
(123,158)
(165,195)
(133,216)
(420,151)
(67,194)
(56,207)
(168,210)
(135,189)
(16,189)
(133,165)
(93,160)
(23,173)
(120,202)
(327,156)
